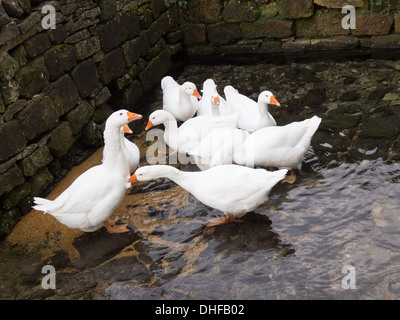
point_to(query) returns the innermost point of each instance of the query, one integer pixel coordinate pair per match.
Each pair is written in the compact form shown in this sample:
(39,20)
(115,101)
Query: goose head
(215,99)
(159,117)
(153,172)
(267,97)
(121,117)
(190,89)
(126,129)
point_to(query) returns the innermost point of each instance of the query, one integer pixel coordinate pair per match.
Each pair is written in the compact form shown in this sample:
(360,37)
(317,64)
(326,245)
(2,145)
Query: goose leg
(290,179)
(219,221)
(113,228)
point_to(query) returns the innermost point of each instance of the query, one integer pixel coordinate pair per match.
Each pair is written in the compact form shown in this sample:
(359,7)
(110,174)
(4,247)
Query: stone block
(102,96)
(132,51)
(15,196)
(40,182)
(388,41)
(64,95)
(240,11)
(8,32)
(13,8)
(82,24)
(273,28)
(85,77)
(326,24)
(36,45)
(114,32)
(38,159)
(25,5)
(10,91)
(157,7)
(397,22)
(112,66)
(156,49)
(38,117)
(14,108)
(159,28)
(335,43)
(156,70)
(373,24)
(341,3)
(87,47)
(296,9)
(108,9)
(19,53)
(61,140)
(79,36)
(10,179)
(59,34)
(145,17)
(59,60)
(194,34)
(32,77)
(297,45)
(79,116)
(29,22)
(203,11)
(132,94)
(223,33)
(4,18)
(8,67)
(12,139)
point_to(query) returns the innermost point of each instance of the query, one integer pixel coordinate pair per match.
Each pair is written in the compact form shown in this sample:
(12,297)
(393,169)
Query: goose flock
(233,141)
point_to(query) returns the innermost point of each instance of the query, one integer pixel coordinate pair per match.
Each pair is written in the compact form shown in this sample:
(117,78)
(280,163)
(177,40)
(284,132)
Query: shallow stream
(342,212)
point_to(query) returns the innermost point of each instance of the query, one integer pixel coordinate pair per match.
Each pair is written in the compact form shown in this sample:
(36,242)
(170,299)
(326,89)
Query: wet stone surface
(342,210)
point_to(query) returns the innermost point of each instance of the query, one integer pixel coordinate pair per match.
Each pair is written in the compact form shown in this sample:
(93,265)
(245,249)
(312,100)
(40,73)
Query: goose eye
(120,113)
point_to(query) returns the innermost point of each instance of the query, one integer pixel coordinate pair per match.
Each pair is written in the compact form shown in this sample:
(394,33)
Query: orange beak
(132,178)
(126,129)
(216,100)
(196,94)
(149,125)
(274,101)
(134,116)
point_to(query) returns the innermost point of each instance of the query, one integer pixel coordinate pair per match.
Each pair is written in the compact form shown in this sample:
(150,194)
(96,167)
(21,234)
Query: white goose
(253,115)
(283,147)
(191,132)
(180,100)
(91,199)
(232,189)
(131,151)
(218,146)
(211,102)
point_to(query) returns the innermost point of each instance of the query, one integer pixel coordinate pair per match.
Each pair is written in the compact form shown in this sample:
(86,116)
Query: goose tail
(168,82)
(42,204)
(313,124)
(277,176)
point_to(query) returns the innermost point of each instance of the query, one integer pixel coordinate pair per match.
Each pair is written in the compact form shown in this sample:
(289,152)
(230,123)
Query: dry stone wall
(233,26)
(55,83)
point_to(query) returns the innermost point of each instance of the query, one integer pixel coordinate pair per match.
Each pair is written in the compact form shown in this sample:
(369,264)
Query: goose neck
(171,133)
(263,109)
(214,110)
(113,147)
(169,172)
